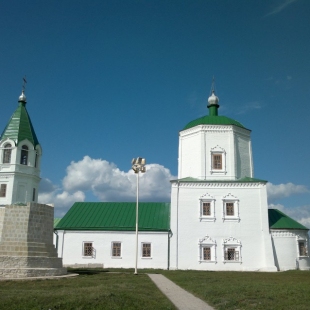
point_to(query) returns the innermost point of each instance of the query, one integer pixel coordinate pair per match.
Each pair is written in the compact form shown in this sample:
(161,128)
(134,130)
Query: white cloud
(284,190)
(282,5)
(300,214)
(108,183)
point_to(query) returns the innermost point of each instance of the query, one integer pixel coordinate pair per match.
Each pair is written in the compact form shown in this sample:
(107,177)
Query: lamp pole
(138,165)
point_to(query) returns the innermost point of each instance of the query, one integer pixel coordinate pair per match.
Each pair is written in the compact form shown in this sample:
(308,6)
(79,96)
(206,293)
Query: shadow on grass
(86,271)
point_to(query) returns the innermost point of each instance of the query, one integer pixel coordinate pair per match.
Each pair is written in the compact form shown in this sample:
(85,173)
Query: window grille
(230,208)
(146,250)
(206,253)
(302,249)
(88,249)
(217,161)
(3,190)
(232,254)
(7,154)
(116,249)
(206,208)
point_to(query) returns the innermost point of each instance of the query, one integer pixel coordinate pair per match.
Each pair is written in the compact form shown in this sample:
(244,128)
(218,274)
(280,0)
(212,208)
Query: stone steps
(31,272)
(12,262)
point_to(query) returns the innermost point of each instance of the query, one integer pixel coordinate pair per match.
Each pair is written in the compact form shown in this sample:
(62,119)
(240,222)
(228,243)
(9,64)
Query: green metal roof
(242,180)
(116,216)
(213,120)
(279,220)
(56,221)
(20,127)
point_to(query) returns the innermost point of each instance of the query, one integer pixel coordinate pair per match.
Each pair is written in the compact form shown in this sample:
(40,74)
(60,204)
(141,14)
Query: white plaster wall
(243,156)
(252,230)
(286,250)
(70,248)
(18,176)
(195,146)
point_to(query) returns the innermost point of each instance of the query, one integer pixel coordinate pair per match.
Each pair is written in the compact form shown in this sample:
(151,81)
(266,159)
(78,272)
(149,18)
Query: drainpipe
(169,236)
(56,233)
(62,246)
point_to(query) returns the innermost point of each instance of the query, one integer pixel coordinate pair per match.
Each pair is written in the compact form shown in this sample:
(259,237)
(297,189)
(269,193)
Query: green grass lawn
(92,289)
(247,290)
(100,289)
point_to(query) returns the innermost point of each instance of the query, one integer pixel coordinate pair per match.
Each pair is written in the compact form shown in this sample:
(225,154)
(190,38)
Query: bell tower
(20,158)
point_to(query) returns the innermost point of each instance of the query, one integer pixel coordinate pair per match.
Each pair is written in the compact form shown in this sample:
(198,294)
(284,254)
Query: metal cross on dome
(24,83)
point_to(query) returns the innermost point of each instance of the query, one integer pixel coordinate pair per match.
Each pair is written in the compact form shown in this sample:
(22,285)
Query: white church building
(218,217)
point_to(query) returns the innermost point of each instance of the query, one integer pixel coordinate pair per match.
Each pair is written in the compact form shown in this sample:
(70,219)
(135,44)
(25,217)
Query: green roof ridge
(213,120)
(20,127)
(116,216)
(279,220)
(241,180)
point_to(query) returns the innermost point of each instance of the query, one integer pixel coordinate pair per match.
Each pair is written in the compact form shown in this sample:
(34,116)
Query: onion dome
(22,97)
(213,99)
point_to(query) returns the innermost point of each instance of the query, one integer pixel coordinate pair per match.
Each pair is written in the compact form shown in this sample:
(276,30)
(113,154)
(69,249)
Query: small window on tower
(24,155)
(34,194)
(3,190)
(7,153)
(217,161)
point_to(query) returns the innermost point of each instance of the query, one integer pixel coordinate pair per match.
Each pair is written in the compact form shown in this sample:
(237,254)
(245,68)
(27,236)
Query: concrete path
(177,295)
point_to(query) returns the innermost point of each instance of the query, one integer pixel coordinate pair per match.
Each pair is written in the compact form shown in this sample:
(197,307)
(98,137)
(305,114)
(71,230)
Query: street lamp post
(138,165)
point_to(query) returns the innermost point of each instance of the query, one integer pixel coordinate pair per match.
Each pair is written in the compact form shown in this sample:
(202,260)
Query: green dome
(213,120)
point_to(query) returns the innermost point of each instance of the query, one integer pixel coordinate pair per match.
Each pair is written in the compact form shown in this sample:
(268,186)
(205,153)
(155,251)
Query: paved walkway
(177,295)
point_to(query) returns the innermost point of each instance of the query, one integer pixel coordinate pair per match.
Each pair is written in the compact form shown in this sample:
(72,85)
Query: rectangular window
(232,254)
(206,253)
(146,250)
(34,194)
(230,208)
(116,249)
(206,208)
(88,249)
(3,190)
(217,161)
(302,248)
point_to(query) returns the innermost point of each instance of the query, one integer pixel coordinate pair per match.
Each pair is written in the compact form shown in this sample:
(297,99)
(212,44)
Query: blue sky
(113,80)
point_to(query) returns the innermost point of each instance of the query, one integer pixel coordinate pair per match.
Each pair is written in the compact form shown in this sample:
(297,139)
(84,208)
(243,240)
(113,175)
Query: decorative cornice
(207,240)
(289,233)
(231,240)
(213,184)
(214,129)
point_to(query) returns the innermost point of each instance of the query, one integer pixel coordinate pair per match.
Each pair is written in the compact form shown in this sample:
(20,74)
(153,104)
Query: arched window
(36,160)
(24,155)
(7,153)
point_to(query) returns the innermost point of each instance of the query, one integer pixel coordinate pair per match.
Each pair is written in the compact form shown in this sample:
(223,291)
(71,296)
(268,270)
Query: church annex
(218,217)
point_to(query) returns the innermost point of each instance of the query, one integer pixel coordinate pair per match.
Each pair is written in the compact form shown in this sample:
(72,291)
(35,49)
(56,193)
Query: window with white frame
(218,160)
(207,250)
(232,250)
(231,208)
(207,207)
(88,249)
(7,152)
(146,250)
(302,246)
(116,249)
(3,190)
